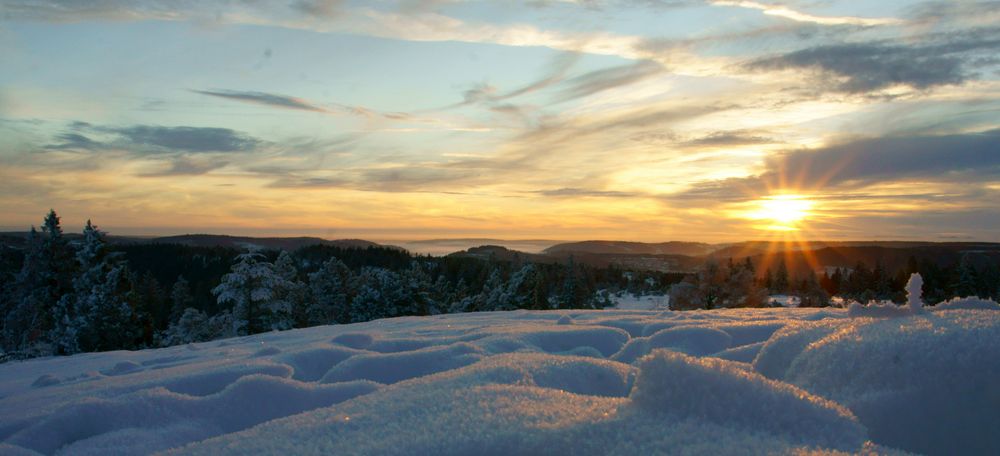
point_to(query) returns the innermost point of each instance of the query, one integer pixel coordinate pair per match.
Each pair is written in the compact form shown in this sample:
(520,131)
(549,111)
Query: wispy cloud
(269,99)
(154,139)
(582,192)
(798,16)
(941,59)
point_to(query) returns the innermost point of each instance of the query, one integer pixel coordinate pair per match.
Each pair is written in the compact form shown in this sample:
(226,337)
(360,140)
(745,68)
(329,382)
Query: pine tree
(295,292)
(540,293)
(180,298)
(100,313)
(781,278)
(45,277)
(253,289)
(191,326)
(966,285)
(491,298)
(330,294)
(711,280)
(380,294)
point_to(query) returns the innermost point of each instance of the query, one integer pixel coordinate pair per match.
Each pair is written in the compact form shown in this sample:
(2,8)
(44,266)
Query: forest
(64,296)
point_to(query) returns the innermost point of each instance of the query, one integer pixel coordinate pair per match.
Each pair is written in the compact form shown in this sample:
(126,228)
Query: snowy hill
(765,381)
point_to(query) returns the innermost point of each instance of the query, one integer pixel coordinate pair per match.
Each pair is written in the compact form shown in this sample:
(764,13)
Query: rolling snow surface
(742,381)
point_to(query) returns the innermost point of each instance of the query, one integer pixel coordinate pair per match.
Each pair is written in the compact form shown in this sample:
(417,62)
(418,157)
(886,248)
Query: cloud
(869,161)
(310,182)
(185,139)
(582,192)
(798,16)
(866,67)
(608,78)
(187,166)
(319,8)
(153,139)
(730,138)
(263,98)
(70,141)
(967,160)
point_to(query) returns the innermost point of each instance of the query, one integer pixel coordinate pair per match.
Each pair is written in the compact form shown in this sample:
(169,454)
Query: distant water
(440,247)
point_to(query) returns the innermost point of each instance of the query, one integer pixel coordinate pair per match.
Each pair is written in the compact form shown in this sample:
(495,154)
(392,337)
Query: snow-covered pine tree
(46,275)
(417,297)
(380,294)
(966,285)
(192,326)
(180,298)
(330,294)
(98,315)
(491,297)
(253,289)
(295,292)
(22,323)
(519,290)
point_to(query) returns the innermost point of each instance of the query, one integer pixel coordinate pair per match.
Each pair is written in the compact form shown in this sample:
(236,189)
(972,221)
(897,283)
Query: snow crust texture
(741,381)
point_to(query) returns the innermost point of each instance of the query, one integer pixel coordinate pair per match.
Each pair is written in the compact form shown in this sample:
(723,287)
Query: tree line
(63,296)
(739,284)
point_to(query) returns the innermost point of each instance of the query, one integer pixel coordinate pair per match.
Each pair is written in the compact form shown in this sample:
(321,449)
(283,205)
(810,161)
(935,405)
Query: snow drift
(766,381)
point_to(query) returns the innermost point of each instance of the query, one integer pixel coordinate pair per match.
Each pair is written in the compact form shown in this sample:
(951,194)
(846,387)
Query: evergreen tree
(180,298)
(711,283)
(574,294)
(967,281)
(294,293)
(100,313)
(45,277)
(191,326)
(811,294)
(491,297)
(253,288)
(540,293)
(380,294)
(330,294)
(880,282)
(780,284)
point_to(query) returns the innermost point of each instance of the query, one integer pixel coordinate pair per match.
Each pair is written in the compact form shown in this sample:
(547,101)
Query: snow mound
(677,384)
(693,340)
(45,380)
(122,368)
(968,304)
(925,383)
(521,383)
(96,425)
(393,367)
(743,353)
(555,339)
(778,353)
(875,310)
(353,340)
(310,365)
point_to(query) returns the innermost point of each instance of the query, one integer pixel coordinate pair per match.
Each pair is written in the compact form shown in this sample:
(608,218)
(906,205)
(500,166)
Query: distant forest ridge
(671,256)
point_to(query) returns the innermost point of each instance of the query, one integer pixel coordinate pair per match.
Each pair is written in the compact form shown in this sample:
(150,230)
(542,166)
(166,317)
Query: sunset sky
(634,120)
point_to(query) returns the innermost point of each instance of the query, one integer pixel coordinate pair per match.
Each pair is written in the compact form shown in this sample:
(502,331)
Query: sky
(641,120)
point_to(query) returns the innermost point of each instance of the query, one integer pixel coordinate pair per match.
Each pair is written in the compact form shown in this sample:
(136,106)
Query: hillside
(633,248)
(17,238)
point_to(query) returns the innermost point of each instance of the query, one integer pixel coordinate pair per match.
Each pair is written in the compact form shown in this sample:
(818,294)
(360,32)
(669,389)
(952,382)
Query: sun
(781,212)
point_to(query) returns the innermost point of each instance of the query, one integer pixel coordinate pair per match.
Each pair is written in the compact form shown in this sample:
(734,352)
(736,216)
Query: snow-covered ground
(744,381)
(628,301)
(784,300)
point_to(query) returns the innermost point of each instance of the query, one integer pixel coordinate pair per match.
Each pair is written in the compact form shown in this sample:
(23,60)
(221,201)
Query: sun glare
(781,212)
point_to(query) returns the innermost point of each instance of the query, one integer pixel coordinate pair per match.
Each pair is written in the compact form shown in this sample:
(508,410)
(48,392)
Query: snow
(629,301)
(616,381)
